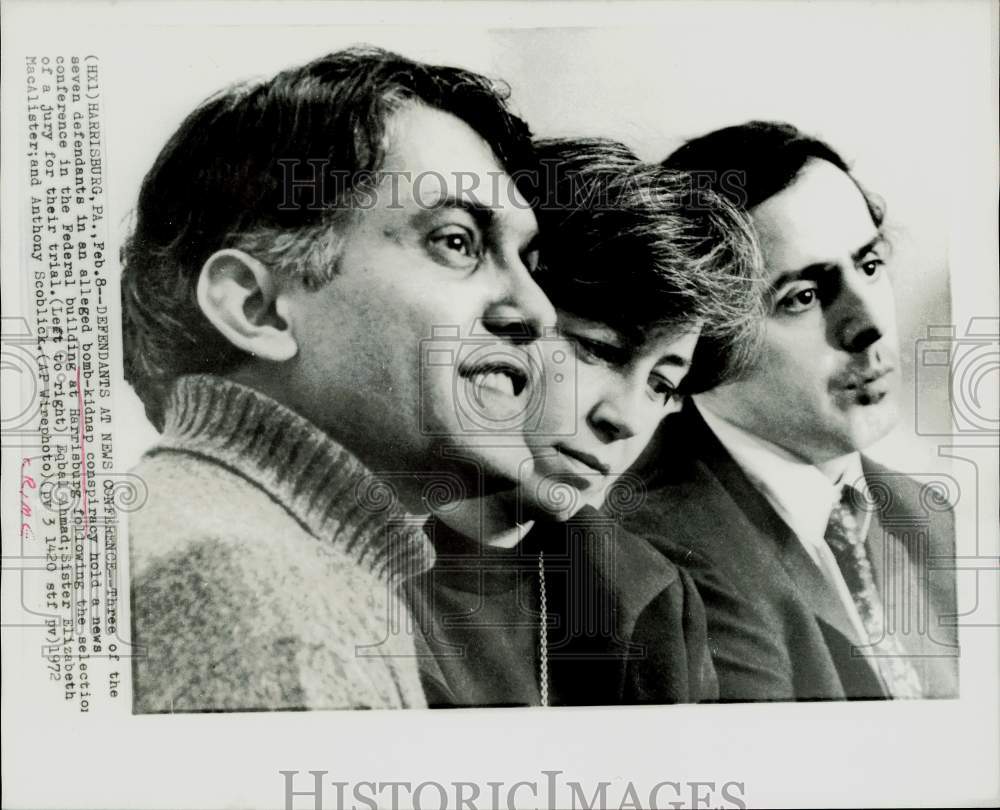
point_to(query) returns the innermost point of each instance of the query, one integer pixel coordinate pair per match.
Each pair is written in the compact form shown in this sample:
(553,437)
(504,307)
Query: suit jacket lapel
(808,579)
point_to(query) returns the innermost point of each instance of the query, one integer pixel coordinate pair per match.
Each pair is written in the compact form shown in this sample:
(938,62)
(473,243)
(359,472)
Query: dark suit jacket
(625,624)
(777,630)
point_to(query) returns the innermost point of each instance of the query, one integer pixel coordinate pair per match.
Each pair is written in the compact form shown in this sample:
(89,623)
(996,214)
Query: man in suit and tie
(816,564)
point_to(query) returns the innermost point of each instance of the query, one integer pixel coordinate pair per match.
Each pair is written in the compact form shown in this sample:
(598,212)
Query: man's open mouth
(499,377)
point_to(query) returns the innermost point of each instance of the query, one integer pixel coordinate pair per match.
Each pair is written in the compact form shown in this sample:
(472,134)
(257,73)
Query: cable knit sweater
(265,565)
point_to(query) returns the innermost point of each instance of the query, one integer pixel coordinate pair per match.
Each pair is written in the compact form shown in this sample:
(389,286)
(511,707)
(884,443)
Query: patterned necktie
(845,538)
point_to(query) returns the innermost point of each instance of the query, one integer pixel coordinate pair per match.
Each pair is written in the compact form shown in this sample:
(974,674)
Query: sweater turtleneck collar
(322,485)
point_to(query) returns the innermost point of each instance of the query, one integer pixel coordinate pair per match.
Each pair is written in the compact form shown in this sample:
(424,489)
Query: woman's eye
(799,300)
(663,389)
(455,245)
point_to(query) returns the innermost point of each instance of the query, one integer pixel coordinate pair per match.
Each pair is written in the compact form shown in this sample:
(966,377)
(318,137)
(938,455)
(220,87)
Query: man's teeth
(496,380)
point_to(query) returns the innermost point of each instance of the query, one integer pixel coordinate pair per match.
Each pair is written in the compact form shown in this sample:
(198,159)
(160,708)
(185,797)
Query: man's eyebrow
(814,272)
(866,248)
(484,216)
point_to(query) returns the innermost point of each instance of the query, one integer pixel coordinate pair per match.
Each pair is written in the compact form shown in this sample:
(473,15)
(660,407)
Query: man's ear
(240,296)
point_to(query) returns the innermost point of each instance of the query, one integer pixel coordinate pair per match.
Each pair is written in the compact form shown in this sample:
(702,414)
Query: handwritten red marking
(27,482)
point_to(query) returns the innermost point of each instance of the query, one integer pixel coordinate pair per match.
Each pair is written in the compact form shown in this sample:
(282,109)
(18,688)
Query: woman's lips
(581,458)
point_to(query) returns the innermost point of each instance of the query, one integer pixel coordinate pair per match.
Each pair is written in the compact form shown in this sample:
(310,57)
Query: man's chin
(515,476)
(874,421)
(837,431)
(495,463)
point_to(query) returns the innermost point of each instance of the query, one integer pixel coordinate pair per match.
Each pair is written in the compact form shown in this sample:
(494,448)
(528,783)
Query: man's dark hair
(749,163)
(623,243)
(224,180)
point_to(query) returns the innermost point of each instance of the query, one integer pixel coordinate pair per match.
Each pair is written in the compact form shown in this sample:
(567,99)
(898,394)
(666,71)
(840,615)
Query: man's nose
(523,313)
(859,321)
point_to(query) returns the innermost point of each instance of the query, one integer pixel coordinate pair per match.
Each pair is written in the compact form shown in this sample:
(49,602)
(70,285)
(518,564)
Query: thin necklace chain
(543,660)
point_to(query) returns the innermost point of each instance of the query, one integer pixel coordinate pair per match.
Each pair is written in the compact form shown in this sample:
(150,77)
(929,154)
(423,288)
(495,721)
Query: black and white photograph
(622,379)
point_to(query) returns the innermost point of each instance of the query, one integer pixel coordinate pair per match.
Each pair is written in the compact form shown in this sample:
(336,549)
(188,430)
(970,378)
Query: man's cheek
(561,403)
(800,365)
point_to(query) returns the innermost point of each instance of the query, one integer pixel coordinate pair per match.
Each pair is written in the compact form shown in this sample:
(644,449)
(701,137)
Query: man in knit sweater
(288,263)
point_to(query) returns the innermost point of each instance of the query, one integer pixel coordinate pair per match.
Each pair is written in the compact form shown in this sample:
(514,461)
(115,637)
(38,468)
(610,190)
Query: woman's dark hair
(630,245)
(270,168)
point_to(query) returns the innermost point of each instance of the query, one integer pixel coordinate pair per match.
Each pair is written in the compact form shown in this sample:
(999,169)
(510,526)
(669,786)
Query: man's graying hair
(222,181)
(632,246)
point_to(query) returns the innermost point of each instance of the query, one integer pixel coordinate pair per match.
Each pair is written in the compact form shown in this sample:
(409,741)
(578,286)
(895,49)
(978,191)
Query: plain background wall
(863,77)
